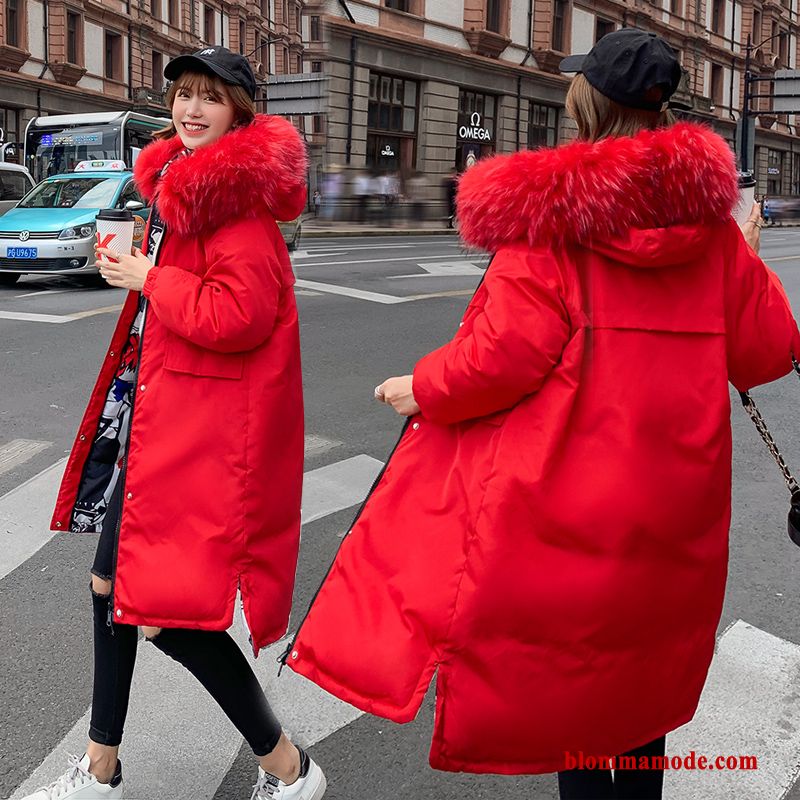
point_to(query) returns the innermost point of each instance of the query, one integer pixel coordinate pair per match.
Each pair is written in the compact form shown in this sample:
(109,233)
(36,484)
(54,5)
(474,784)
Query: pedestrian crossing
(750,706)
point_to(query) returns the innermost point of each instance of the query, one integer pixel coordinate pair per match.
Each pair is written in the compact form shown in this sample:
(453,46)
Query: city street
(369,308)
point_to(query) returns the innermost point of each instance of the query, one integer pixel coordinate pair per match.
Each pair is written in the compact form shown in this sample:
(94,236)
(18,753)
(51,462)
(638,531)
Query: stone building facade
(72,56)
(431,85)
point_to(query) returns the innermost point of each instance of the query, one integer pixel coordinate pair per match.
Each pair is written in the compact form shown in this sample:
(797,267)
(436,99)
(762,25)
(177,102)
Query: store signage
(475,132)
(387,151)
(773,171)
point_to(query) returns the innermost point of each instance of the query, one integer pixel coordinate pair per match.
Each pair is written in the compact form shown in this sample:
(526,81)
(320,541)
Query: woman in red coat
(550,536)
(189,459)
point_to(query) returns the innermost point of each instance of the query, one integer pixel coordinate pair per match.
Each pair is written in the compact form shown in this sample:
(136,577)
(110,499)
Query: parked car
(15,183)
(52,229)
(291,232)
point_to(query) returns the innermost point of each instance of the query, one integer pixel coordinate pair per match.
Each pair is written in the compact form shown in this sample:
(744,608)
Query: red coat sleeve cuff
(150,281)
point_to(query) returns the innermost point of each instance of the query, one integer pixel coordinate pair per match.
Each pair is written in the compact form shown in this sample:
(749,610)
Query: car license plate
(22,252)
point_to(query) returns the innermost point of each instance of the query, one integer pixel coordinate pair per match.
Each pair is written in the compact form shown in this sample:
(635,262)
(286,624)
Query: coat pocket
(183,356)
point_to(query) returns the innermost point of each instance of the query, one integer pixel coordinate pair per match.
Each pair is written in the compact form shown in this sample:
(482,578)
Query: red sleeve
(762,335)
(232,307)
(506,351)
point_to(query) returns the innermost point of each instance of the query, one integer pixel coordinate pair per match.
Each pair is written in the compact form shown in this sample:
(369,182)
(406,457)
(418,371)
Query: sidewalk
(315,228)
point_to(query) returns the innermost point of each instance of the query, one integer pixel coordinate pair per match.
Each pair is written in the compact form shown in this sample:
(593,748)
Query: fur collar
(583,191)
(248,171)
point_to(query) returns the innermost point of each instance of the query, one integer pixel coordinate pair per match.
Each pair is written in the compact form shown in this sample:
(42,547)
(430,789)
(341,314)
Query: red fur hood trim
(684,174)
(248,171)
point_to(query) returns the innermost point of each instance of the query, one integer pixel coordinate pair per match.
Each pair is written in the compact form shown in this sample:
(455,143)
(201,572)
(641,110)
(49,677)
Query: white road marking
(25,517)
(447,269)
(750,707)
(338,486)
(58,319)
(18,452)
(317,445)
(47,291)
(346,291)
(379,260)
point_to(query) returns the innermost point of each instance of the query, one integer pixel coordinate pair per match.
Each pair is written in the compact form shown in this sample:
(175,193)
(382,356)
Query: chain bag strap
(791,482)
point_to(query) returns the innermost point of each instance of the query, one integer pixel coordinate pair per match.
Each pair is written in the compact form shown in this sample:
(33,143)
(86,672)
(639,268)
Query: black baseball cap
(632,67)
(219,61)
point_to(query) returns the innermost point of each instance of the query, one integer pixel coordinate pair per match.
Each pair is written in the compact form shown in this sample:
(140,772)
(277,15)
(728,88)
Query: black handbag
(791,482)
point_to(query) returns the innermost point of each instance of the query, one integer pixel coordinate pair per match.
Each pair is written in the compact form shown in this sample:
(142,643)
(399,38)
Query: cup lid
(115,215)
(746,179)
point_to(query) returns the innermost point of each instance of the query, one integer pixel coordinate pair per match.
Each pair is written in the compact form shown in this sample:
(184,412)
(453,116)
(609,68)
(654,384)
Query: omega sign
(475,131)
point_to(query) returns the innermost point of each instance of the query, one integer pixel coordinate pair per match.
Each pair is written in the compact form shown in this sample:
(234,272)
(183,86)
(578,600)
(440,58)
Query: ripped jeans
(213,657)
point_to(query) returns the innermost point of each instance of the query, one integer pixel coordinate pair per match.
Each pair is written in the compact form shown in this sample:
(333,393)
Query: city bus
(56,144)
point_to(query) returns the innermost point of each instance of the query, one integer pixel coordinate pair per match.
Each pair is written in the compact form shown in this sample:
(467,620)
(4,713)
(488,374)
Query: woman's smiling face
(202,109)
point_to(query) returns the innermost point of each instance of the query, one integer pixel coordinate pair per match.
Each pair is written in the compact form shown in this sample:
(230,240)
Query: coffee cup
(747,194)
(115,231)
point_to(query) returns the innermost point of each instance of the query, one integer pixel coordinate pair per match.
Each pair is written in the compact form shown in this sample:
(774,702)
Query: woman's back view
(550,536)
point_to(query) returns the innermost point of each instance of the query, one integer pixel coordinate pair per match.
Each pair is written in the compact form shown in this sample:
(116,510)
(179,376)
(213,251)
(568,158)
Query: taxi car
(52,229)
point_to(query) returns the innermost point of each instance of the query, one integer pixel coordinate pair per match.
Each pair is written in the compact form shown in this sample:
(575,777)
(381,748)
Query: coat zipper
(124,469)
(282,658)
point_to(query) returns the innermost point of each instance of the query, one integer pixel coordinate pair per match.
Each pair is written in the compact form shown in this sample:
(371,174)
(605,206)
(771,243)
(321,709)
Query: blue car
(52,229)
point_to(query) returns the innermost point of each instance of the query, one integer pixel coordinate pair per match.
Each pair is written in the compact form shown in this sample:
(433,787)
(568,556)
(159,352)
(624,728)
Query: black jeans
(213,657)
(626,784)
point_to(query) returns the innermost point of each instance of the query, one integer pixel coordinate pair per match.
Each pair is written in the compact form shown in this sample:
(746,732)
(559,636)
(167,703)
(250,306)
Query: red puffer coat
(550,537)
(214,468)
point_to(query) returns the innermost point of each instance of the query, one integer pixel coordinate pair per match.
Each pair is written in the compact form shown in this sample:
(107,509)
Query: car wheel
(8,278)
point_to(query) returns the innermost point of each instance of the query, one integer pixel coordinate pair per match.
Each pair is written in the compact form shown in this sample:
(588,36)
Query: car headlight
(78,232)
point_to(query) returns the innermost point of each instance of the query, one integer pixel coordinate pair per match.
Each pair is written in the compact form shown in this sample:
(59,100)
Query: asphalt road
(370,307)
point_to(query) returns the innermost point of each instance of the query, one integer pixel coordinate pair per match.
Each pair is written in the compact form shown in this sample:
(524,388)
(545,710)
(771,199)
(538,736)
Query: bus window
(56,151)
(136,135)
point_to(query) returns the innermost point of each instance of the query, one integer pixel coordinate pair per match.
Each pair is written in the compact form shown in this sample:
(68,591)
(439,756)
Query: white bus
(56,144)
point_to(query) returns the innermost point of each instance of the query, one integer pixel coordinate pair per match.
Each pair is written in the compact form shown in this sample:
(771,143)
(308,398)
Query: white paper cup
(115,232)
(747,195)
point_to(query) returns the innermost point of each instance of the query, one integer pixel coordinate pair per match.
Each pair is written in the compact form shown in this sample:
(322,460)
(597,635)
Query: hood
(45,219)
(248,171)
(617,195)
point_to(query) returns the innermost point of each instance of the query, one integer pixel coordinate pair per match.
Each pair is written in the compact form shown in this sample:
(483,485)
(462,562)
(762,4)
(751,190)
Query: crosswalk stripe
(338,486)
(749,707)
(346,291)
(57,319)
(18,452)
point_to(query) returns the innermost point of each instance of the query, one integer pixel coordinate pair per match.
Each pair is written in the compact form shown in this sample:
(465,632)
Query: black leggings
(213,657)
(627,784)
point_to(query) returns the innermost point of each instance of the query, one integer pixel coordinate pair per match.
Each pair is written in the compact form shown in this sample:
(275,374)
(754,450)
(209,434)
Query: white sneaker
(310,785)
(77,783)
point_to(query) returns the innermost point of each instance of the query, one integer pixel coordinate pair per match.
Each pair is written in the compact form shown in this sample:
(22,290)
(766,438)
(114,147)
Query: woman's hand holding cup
(751,228)
(124,271)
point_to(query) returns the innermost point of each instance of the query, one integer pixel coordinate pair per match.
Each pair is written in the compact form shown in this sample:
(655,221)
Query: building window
(155,8)
(113,56)
(398,5)
(316,66)
(317,123)
(297,25)
(14,23)
(392,123)
(173,10)
(208,24)
(73,38)
(242,34)
(286,69)
(265,10)
(285,18)
(314,30)
(716,84)
(774,172)
(783,48)
(559,24)
(756,38)
(298,64)
(157,62)
(675,7)
(494,18)
(542,126)
(264,56)
(476,127)
(717,15)
(602,27)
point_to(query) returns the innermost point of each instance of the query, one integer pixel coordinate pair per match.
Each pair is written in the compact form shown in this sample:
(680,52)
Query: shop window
(74,54)
(113,56)
(392,104)
(774,172)
(602,27)
(542,126)
(559,25)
